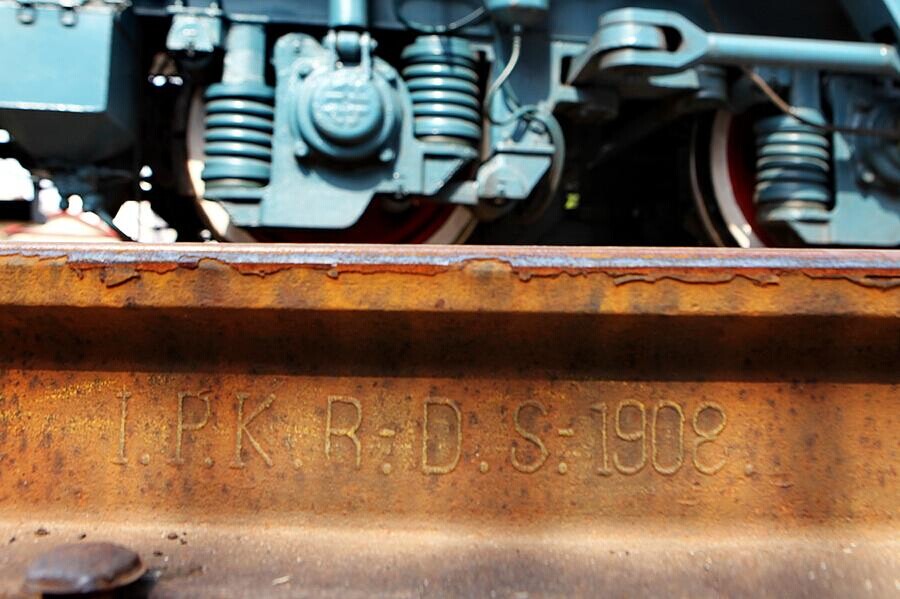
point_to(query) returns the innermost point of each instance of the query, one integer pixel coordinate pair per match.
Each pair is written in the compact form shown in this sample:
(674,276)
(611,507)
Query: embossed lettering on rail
(469,448)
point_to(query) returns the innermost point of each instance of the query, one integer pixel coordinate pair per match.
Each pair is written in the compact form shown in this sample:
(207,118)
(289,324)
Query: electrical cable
(557,162)
(530,112)
(473,18)
(785,107)
(515,53)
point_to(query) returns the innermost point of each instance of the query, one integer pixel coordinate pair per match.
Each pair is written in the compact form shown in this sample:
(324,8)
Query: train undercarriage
(409,121)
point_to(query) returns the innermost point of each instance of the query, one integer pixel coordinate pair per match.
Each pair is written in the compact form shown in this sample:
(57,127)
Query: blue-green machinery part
(830,183)
(863,206)
(240,120)
(69,71)
(641,40)
(346,128)
(348,13)
(342,125)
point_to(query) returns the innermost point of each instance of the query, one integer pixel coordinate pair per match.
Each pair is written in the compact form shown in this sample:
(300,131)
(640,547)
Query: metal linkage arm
(658,41)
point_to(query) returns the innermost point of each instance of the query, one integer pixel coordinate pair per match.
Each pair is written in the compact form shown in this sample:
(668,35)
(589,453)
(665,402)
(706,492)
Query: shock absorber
(443,85)
(239,121)
(794,157)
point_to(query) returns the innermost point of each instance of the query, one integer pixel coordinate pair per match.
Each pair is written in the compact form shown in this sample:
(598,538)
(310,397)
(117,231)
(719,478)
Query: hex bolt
(81,568)
(26,15)
(68,18)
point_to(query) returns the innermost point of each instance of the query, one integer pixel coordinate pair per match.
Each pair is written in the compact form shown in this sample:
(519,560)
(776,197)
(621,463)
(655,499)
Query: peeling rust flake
(563,280)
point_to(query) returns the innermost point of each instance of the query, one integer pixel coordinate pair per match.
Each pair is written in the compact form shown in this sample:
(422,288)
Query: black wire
(473,18)
(528,113)
(785,107)
(500,82)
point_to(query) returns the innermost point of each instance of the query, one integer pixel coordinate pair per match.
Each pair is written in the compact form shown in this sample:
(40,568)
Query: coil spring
(239,126)
(793,161)
(443,85)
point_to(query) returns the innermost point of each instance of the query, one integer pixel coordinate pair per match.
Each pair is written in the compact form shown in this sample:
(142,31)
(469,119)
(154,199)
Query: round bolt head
(79,568)
(301,150)
(386,155)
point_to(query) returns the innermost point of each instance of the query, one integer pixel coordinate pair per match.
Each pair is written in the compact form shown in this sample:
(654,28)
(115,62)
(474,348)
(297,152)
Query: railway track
(417,421)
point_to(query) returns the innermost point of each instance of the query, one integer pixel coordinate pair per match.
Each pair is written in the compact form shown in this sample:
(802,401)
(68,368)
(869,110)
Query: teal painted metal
(68,73)
(815,176)
(794,157)
(518,12)
(239,122)
(193,32)
(348,13)
(443,85)
(343,123)
(826,55)
(633,38)
(344,110)
(344,129)
(865,171)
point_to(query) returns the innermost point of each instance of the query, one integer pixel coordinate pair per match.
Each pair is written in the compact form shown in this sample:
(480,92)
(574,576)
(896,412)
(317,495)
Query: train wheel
(723,177)
(419,222)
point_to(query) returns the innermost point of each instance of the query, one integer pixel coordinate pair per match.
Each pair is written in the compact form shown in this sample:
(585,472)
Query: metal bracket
(195,30)
(26,13)
(351,48)
(68,15)
(194,34)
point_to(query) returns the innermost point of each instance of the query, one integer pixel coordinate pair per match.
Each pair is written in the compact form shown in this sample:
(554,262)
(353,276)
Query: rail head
(677,281)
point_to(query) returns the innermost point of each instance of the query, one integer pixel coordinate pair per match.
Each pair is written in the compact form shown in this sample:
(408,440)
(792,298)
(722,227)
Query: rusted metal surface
(340,421)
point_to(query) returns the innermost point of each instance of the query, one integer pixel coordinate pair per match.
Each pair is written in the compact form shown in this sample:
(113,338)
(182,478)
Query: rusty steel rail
(341,421)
